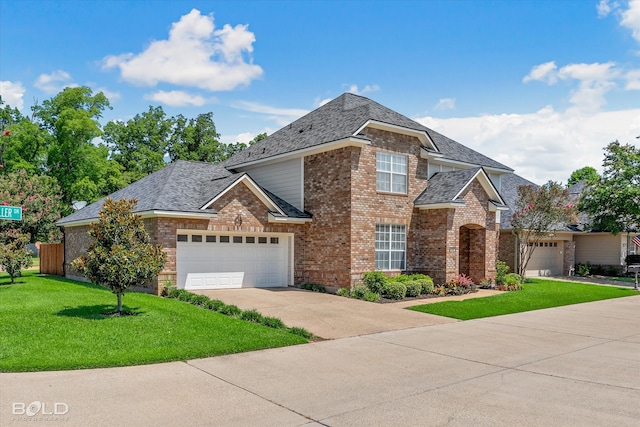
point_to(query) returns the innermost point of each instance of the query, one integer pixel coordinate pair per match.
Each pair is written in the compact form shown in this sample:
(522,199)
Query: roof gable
(445,188)
(342,119)
(183,188)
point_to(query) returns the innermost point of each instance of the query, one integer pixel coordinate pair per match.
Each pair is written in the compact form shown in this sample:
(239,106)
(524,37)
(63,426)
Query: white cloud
(54,82)
(12,93)
(630,18)
(283,116)
(595,80)
(446,104)
(633,80)
(176,98)
(194,55)
(545,145)
(605,7)
(368,88)
(321,102)
(544,72)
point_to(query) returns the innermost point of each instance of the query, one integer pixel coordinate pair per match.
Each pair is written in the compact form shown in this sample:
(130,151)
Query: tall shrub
(121,254)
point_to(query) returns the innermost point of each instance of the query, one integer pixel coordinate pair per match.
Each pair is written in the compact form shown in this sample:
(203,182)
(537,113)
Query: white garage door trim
(546,260)
(225,260)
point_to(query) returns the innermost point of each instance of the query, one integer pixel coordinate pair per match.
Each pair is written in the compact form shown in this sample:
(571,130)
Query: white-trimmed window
(391,244)
(391,173)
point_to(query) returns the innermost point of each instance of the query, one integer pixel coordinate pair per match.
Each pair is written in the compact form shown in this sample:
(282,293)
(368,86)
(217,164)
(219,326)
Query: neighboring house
(554,255)
(351,187)
(567,246)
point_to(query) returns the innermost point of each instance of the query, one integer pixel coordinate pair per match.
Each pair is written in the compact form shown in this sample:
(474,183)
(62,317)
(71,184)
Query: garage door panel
(546,260)
(223,265)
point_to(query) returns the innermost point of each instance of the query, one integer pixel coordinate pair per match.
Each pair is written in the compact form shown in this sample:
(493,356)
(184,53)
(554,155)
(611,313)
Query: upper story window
(391,173)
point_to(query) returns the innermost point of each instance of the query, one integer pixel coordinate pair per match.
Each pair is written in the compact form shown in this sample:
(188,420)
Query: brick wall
(507,249)
(327,196)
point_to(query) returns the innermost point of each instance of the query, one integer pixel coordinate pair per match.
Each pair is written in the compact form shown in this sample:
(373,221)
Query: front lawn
(537,294)
(51,323)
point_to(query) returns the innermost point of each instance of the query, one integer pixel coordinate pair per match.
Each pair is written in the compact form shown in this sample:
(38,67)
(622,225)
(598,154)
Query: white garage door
(546,260)
(227,260)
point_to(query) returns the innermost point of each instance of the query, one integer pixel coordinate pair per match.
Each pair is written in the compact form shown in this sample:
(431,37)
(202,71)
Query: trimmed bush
(343,292)
(420,277)
(426,285)
(200,300)
(273,322)
(414,288)
(230,310)
(359,292)
(301,332)
(513,279)
(375,281)
(395,290)
(502,269)
(371,296)
(315,287)
(215,305)
(402,278)
(251,316)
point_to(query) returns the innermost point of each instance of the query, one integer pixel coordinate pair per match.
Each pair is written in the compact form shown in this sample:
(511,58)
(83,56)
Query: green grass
(538,294)
(51,323)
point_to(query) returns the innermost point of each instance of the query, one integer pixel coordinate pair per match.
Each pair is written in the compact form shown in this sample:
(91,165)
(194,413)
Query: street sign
(11,212)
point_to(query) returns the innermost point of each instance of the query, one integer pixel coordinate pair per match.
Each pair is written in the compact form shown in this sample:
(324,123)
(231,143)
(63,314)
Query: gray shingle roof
(341,118)
(182,186)
(509,184)
(444,186)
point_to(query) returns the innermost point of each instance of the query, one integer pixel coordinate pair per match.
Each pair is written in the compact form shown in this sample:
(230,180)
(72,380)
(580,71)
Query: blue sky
(541,86)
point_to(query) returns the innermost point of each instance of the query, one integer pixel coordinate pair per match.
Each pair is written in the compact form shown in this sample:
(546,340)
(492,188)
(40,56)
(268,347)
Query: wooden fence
(52,258)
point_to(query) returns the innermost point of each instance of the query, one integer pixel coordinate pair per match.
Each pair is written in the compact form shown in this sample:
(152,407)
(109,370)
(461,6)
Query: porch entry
(471,251)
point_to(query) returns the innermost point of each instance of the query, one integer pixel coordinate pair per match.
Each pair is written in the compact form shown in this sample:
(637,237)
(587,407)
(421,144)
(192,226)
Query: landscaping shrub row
(376,286)
(233,311)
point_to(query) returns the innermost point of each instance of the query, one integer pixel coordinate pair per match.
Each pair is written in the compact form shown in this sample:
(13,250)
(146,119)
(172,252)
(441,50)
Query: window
(182,237)
(262,240)
(274,240)
(250,239)
(237,239)
(390,247)
(196,238)
(224,239)
(391,173)
(211,239)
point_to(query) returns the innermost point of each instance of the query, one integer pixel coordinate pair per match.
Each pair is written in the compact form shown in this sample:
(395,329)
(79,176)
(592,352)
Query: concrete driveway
(577,365)
(330,316)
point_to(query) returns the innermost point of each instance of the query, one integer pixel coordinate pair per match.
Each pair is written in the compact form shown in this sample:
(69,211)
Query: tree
(121,254)
(14,255)
(538,212)
(22,142)
(587,174)
(196,139)
(71,120)
(140,144)
(41,202)
(613,203)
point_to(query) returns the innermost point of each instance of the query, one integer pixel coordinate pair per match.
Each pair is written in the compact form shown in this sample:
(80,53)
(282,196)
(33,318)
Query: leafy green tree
(22,142)
(139,144)
(121,255)
(41,201)
(196,139)
(71,120)
(613,203)
(14,255)
(587,174)
(538,212)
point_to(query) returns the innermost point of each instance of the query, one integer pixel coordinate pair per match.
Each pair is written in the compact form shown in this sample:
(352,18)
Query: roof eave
(289,220)
(443,205)
(147,214)
(351,141)
(422,135)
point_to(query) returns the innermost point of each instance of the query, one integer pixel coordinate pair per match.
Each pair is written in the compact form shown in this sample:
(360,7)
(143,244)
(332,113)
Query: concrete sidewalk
(329,316)
(577,365)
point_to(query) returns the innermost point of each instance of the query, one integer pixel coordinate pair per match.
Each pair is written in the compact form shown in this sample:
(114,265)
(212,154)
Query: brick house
(351,187)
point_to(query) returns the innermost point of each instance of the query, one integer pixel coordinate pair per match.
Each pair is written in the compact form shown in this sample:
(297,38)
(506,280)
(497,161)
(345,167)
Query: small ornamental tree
(14,255)
(539,212)
(41,201)
(121,254)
